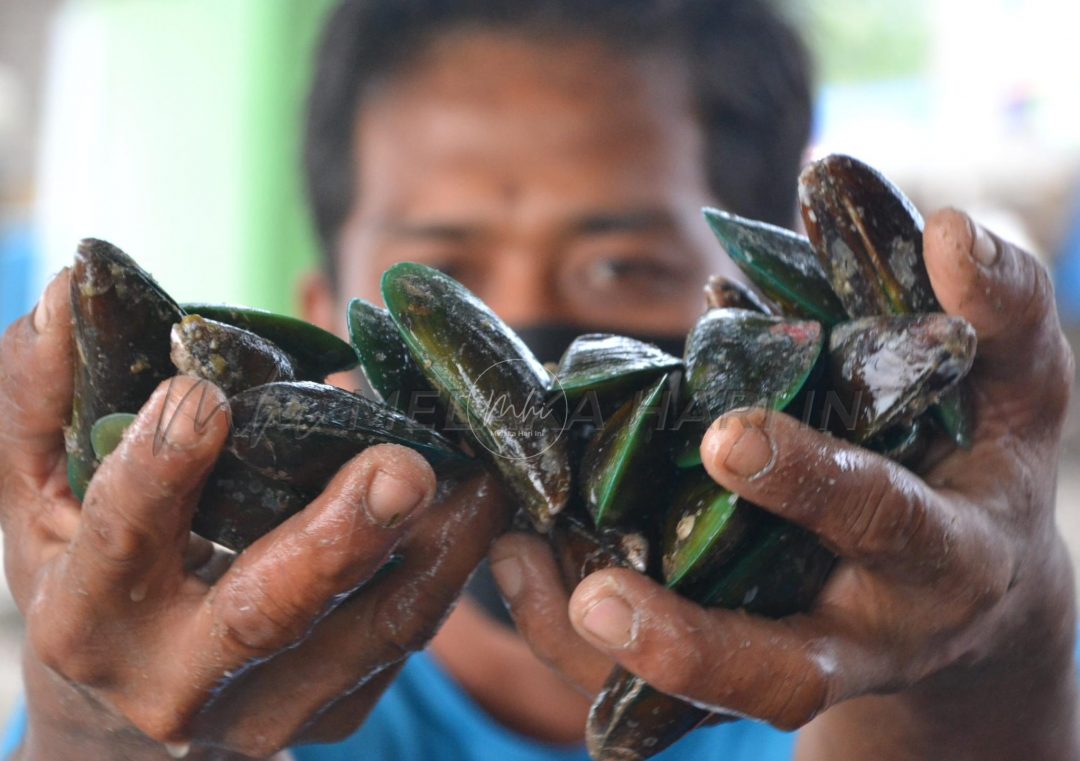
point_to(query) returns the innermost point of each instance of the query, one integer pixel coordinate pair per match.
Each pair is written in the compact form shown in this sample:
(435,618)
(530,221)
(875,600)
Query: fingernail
(42,312)
(185,414)
(984,249)
(508,576)
(390,499)
(610,620)
(743,448)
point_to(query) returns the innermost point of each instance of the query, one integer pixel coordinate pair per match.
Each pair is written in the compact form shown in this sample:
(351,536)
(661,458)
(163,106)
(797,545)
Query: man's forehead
(466,126)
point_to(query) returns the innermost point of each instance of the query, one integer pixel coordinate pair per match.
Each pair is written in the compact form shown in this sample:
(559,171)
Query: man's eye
(615,271)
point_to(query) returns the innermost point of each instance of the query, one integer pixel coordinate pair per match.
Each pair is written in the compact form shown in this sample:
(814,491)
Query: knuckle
(882,522)
(112,533)
(255,624)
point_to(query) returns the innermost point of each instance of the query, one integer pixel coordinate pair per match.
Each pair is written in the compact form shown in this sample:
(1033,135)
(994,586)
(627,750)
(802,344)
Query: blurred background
(172,128)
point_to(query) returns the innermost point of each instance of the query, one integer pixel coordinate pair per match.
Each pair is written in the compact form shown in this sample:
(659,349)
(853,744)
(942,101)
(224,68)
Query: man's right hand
(137,647)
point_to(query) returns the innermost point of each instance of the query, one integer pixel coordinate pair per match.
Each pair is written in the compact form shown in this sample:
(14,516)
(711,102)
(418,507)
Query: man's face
(561,182)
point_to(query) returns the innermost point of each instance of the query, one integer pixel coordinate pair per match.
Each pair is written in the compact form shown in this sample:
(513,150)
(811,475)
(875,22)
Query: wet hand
(139,636)
(953,595)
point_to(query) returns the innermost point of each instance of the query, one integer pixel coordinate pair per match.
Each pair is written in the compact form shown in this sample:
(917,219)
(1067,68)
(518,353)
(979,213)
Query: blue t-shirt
(425,715)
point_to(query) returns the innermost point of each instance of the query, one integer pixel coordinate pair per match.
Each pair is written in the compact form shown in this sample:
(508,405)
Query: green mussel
(315,352)
(233,358)
(491,378)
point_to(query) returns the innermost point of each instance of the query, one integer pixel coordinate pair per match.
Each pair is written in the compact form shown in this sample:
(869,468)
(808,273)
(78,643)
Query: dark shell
(315,352)
(724,293)
(706,525)
(581,550)
(625,467)
(232,358)
(122,321)
(475,361)
(737,358)
(889,370)
(301,433)
(387,364)
(779,575)
(610,366)
(779,262)
(239,504)
(868,237)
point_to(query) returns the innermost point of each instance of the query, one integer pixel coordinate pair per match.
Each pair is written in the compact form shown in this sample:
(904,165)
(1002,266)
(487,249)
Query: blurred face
(561,182)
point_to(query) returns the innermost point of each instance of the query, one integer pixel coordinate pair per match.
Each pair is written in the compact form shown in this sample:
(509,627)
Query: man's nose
(521,288)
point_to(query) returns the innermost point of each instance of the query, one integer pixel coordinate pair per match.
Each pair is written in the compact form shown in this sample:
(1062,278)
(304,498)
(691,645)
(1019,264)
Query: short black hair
(750,83)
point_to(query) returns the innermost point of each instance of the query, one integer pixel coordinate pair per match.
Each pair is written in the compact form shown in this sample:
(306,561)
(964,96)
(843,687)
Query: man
(553,157)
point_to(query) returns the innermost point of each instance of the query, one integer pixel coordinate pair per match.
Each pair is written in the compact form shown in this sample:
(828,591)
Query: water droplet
(178,750)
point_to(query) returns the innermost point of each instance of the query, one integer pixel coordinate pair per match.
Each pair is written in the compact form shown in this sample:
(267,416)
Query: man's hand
(138,636)
(953,601)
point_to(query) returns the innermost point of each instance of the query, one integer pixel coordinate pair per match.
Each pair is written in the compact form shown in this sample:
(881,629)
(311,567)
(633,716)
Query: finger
(343,717)
(784,672)
(36,378)
(278,587)
(136,516)
(863,506)
(1008,296)
(532,586)
(394,615)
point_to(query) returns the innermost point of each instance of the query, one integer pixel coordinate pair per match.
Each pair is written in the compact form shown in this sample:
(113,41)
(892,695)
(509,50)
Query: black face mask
(549,342)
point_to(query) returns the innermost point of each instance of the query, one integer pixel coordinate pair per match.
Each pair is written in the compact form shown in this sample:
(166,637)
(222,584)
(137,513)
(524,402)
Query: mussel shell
(488,374)
(122,321)
(301,433)
(779,575)
(889,370)
(779,262)
(868,237)
(705,527)
(625,465)
(581,550)
(240,504)
(387,364)
(230,357)
(107,433)
(611,367)
(737,358)
(316,353)
(724,293)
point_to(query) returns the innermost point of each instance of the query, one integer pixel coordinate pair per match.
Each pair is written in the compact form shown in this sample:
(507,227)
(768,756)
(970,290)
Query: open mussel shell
(780,574)
(706,525)
(779,262)
(610,366)
(316,353)
(625,466)
(230,357)
(301,433)
(724,293)
(239,504)
(386,362)
(122,321)
(737,358)
(868,237)
(889,370)
(491,378)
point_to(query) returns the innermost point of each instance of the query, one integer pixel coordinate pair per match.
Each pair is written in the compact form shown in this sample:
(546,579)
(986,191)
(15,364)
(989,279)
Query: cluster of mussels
(841,328)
